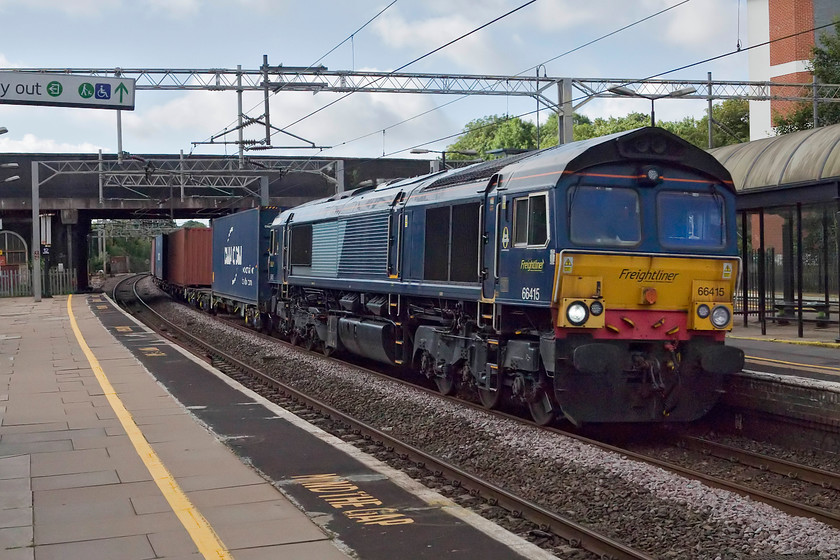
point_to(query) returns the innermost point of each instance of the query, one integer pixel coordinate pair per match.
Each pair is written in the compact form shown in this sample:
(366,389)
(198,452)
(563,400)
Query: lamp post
(627,92)
(443,153)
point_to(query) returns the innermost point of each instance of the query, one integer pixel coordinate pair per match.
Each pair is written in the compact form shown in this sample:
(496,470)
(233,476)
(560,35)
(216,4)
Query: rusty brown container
(189,253)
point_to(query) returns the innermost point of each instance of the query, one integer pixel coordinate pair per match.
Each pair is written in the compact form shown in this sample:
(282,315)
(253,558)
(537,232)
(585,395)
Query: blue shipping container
(159,256)
(240,255)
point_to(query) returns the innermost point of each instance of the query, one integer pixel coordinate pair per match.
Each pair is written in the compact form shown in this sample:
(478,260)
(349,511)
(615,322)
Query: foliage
(825,65)
(495,131)
(194,224)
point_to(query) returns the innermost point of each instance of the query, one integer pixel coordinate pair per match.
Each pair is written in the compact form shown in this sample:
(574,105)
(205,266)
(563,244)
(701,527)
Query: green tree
(194,224)
(732,120)
(825,65)
(494,132)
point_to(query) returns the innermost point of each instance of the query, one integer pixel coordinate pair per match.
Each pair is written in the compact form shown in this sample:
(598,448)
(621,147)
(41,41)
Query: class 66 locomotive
(592,281)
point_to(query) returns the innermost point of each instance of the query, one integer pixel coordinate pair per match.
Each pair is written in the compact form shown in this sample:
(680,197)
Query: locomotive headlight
(720,316)
(577,313)
(596,308)
(703,311)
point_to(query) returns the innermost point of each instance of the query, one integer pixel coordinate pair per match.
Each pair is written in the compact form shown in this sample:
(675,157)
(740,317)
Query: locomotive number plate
(718,291)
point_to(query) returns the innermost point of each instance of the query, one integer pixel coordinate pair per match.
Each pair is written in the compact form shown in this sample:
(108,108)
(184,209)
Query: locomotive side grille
(327,239)
(364,247)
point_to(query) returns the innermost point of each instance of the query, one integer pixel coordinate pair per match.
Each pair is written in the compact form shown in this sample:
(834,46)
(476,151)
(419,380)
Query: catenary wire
(737,50)
(588,43)
(322,57)
(419,58)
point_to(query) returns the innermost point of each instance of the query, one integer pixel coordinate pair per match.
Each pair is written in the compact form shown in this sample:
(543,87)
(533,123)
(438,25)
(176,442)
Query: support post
(36,234)
(762,272)
(799,271)
(816,112)
(339,176)
(181,174)
(264,190)
(267,112)
(709,93)
(119,136)
(565,128)
(239,112)
(745,274)
(101,179)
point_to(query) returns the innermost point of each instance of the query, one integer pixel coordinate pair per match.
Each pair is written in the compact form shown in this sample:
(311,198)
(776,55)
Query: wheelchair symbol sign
(103,91)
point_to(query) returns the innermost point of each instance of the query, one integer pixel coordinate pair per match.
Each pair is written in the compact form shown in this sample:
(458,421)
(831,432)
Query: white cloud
(76,9)
(33,144)
(564,15)
(707,26)
(6,63)
(360,115)
(176,8)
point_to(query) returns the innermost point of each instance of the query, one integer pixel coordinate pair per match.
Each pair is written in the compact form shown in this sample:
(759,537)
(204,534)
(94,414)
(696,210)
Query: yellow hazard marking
(205,538)
(123,329)
(340,493)
(102,307)
(152,351)
(783,362)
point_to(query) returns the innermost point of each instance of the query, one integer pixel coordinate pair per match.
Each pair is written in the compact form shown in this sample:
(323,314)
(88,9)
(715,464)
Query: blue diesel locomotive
(591,281)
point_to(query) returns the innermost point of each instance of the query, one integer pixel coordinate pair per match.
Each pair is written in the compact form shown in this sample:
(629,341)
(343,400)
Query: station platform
(99,459)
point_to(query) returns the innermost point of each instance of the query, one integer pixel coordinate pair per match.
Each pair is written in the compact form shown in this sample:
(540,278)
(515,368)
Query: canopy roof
(798,158)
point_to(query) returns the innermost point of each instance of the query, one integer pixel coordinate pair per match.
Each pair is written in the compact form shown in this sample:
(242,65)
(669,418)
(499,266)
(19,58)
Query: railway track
(576,534)
(572,532)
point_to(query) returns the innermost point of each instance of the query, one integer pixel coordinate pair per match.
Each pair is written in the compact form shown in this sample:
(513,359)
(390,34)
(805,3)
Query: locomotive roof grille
(475,172)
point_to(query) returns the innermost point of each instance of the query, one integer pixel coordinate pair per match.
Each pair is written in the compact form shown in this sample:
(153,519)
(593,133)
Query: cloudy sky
(199,34)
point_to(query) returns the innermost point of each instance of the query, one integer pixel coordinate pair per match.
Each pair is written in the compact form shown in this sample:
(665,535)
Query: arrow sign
(65,90)
(121,89)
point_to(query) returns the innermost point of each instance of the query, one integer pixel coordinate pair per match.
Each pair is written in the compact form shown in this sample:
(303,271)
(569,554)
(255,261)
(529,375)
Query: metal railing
(18,283)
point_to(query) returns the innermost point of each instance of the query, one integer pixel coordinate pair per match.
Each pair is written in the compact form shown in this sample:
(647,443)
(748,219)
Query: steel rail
(795,471)
(534,512)
(575,533)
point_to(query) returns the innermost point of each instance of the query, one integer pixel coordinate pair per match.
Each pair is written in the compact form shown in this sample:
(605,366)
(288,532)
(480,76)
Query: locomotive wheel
(294,338)
(543,410)
(446,383)
(327,350)
(309,343)
(490,399)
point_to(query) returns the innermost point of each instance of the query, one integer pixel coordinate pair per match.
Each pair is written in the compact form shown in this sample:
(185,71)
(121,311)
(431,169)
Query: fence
(17,283)
(817,280)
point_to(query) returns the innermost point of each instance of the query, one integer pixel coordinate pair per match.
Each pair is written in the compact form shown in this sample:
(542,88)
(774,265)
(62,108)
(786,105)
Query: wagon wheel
(446,382)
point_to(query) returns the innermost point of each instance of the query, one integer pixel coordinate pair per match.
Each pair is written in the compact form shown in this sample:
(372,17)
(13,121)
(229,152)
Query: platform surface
(99,459)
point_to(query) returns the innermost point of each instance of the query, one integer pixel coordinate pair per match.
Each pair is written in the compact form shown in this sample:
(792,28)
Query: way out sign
(65,90)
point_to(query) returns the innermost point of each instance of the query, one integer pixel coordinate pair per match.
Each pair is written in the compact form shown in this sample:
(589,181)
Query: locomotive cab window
(300,246)
(605,216)
(691,220)
(530,221)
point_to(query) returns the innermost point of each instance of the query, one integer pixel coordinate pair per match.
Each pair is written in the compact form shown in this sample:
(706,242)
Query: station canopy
(801,166)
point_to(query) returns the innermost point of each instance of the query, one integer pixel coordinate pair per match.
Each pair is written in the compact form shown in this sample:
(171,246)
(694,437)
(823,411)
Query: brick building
(785,60)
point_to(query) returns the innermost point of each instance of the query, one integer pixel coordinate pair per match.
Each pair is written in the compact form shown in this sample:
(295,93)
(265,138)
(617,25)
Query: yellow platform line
(205,538)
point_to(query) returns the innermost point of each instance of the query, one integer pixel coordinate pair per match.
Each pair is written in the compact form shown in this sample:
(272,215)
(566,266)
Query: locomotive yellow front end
(640,337)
